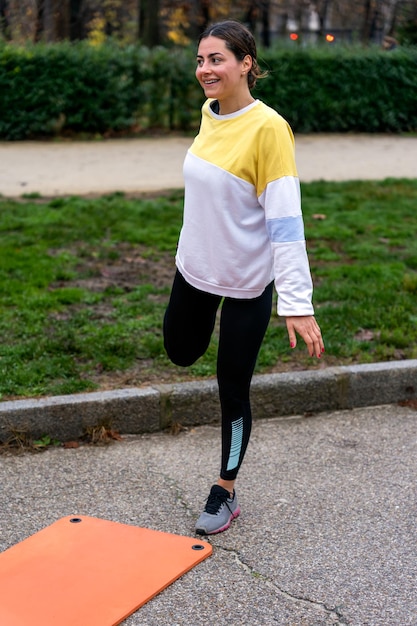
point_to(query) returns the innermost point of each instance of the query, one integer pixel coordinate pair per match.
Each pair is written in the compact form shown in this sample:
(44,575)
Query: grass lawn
(84,284)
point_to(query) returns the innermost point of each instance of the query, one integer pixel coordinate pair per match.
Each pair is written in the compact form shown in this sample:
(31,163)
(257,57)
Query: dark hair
(240,41)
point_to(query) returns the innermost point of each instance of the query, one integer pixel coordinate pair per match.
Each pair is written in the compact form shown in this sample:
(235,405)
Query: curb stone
(151,409)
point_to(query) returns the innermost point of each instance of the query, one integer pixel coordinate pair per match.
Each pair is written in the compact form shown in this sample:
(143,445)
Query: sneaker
(219,512)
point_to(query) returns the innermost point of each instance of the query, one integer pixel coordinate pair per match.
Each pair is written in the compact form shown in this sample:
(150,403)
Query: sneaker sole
(202,531)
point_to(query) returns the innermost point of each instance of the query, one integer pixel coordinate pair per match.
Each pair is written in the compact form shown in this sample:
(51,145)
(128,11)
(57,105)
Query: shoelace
(214,503)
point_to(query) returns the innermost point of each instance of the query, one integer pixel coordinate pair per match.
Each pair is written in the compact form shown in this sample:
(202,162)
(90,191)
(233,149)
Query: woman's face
(219,72)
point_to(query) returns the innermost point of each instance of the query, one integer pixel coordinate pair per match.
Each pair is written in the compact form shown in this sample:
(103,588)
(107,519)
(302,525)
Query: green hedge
(343,89)
(50,89)
(53,89)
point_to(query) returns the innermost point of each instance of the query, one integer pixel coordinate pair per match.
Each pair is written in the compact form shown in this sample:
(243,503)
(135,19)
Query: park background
(84,281)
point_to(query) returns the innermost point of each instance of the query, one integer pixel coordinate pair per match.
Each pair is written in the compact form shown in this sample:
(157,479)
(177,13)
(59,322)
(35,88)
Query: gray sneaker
(219,512)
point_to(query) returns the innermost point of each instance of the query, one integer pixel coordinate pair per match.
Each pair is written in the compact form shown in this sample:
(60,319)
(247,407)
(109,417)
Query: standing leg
(243,324)
(242,329)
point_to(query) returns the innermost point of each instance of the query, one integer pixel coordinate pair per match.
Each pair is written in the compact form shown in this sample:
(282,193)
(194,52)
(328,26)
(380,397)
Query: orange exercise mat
(84,571)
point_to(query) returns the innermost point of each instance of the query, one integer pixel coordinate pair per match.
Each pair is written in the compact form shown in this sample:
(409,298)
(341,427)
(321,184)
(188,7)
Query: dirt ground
(132,266)
(134,166)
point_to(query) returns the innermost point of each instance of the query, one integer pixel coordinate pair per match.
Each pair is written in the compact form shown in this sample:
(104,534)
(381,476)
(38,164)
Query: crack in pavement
(334,612)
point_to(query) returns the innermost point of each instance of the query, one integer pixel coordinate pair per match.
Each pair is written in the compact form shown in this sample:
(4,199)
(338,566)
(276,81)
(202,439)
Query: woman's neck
(236,104)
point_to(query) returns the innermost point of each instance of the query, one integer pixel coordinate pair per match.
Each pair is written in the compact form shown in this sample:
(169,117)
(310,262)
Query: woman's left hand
(307,327)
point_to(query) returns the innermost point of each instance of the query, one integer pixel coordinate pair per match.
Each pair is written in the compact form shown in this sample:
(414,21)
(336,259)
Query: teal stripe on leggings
(236,445)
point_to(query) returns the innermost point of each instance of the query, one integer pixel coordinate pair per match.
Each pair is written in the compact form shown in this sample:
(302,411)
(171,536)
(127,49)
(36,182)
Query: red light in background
(330,37)
(293,36)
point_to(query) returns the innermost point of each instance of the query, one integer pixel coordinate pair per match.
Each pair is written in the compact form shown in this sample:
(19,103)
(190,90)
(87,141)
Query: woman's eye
(215,60)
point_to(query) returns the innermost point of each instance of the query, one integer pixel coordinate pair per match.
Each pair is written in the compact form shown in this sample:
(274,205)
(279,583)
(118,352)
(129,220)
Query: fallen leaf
(412,404)
(113,434)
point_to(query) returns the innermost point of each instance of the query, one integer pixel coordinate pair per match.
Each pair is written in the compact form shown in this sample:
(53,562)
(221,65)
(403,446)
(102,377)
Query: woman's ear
(247,64)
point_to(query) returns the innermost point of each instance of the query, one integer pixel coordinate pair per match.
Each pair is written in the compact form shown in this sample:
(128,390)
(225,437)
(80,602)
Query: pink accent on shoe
(229,521)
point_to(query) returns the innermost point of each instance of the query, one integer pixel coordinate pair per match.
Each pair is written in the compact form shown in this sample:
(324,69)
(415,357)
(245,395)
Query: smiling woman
(223,76)
(242,229)
(226,59)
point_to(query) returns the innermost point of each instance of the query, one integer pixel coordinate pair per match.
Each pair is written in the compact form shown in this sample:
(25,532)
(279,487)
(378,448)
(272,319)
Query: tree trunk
(61,20)
(391,17)
(251,16)
(205,15)
(52,20)
(149,23)
(199,18)
(39,26)
(49,20)
(140,18)
(4,19)
(367,22)
(265,34)
(76,26)
(324,13)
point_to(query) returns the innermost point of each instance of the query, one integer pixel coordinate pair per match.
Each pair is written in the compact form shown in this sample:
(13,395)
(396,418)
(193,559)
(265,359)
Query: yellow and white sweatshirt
(242,225)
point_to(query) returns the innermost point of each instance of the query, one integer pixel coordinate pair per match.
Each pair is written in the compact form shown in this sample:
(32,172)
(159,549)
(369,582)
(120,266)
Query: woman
(242,230)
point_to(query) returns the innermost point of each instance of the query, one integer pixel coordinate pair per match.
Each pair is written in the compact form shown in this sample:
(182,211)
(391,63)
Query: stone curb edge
(151,409)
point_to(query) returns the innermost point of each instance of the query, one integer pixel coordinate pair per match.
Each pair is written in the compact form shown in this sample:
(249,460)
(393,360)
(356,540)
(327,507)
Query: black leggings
(188,326)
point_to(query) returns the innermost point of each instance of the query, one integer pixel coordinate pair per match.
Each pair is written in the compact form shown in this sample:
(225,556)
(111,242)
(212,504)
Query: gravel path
(149,165)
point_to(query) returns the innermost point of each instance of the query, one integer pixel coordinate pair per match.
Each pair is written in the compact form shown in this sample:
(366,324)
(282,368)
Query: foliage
(60,88)
(407,32)
(342,90)
(177,25)
(49,89)
(84,284)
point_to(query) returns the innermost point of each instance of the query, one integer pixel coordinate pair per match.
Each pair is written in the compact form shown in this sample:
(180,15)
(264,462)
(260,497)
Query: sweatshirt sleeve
(280,197)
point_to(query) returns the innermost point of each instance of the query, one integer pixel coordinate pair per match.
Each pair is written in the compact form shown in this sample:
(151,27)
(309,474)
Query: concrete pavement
(327,531)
